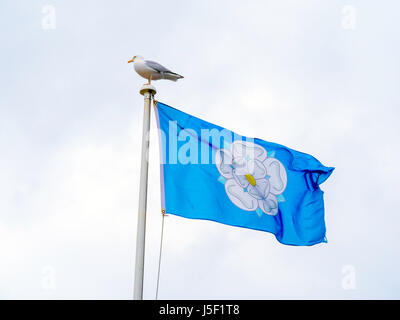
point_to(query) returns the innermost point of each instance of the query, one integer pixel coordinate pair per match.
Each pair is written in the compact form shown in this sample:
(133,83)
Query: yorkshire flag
(209,172)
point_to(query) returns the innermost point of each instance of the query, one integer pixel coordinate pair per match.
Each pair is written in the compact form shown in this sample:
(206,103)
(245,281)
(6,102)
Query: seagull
(151,70)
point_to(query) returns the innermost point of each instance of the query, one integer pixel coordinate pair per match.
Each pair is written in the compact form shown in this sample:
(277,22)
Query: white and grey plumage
(151,70)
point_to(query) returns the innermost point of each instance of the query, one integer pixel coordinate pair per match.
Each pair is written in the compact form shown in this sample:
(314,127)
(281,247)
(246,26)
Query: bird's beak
(130,61)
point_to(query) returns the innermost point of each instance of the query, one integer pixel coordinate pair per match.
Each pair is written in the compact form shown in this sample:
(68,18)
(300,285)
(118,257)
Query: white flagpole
(148,91)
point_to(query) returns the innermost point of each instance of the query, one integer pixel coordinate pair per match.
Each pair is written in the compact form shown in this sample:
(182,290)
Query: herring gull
(151,70)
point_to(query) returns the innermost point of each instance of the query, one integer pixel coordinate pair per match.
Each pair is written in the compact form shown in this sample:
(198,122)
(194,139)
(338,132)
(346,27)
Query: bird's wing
(157,67)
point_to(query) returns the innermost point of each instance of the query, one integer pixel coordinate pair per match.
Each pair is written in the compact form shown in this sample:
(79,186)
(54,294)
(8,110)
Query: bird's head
(135,58)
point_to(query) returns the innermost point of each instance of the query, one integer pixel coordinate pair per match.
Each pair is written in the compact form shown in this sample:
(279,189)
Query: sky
(316,76)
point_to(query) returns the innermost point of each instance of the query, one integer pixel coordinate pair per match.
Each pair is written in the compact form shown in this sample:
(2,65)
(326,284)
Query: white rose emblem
(252,179)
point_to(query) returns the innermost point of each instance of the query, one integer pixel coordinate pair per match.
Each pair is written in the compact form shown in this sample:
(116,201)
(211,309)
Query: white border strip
(163,210)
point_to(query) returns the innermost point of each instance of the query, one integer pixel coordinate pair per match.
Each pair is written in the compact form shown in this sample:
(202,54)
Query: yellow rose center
(250,179)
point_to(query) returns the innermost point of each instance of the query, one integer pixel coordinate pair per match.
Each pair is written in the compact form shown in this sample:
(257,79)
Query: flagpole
(148,91)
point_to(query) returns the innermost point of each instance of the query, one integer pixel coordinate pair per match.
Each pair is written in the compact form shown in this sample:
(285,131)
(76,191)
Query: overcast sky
(318,77)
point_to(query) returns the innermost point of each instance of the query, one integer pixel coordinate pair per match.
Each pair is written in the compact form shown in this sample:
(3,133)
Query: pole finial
(148,88)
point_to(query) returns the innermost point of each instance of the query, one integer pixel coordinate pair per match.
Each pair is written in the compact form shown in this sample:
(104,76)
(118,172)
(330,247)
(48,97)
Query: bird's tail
(172,76)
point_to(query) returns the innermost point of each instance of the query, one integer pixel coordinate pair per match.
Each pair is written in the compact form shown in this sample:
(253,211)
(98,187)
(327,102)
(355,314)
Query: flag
(209,172)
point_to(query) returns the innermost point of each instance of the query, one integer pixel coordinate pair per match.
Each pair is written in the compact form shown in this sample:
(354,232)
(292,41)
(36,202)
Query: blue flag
(209,172)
